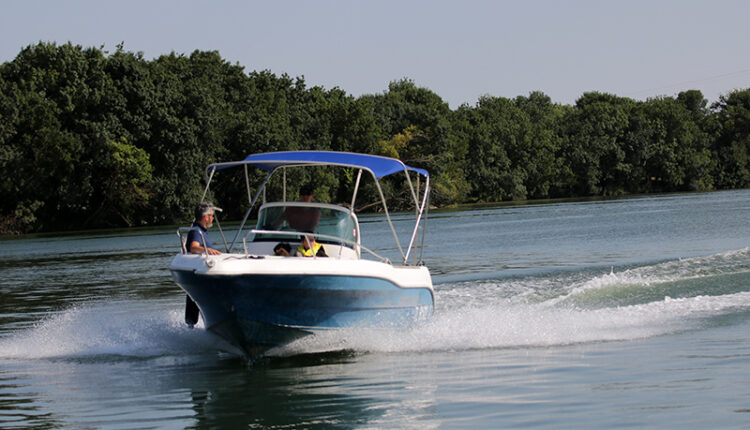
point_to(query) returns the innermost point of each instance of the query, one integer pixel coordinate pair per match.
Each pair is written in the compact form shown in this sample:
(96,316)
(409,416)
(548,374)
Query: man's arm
(197,248)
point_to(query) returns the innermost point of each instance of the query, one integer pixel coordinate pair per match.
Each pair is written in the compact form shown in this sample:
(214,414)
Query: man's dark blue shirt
(198,234)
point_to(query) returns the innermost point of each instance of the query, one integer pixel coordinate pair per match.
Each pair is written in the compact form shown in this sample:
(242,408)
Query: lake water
(626,313)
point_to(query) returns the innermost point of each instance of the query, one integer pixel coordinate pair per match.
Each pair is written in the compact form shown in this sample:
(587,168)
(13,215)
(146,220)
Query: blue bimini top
(379,166)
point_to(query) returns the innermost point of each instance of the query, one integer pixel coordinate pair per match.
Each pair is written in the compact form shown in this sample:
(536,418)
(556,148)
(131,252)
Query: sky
(461,50)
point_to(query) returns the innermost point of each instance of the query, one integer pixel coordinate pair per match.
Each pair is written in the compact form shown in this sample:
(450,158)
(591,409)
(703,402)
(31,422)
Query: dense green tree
(95,139)
(186,121)
(701,167)
(592,144)
(125,192)
(406,107)
(487,129)
(64,100)
(732,144)
(679,157)
(538,143)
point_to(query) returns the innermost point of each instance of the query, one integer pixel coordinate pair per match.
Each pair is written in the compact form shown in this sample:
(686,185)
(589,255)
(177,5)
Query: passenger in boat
(310,248)
(299,218)
(282,249)
(197,236)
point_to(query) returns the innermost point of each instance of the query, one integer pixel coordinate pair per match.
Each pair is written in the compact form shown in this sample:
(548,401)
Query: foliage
(732,144)
(92,139)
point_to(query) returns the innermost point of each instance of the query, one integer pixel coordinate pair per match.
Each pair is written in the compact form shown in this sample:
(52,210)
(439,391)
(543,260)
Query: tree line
(92,139)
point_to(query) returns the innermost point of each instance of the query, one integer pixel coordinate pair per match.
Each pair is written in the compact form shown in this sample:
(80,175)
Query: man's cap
(205,206)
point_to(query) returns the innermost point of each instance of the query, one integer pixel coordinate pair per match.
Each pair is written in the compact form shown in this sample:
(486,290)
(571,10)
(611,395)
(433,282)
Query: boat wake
(560,308)
(569,308)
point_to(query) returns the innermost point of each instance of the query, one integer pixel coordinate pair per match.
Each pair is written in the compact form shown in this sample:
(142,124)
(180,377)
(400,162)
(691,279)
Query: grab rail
(183,245)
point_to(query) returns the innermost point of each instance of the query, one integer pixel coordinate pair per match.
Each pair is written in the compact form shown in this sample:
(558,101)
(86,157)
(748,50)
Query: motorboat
(258,300)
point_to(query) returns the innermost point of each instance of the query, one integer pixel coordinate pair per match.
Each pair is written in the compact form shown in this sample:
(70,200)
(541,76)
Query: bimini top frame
(376,165)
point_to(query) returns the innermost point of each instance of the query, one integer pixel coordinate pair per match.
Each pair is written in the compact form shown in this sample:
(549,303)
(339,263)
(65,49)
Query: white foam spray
(563,308)
(119,328)
(507,313)
(531,325)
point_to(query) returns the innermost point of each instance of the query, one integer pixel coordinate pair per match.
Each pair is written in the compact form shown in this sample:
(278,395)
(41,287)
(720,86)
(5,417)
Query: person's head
(306,193)
(308,240)
(204,214)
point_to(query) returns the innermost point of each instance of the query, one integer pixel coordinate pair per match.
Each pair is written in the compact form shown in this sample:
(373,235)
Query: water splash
(567,308)
(532,325)
(119,328)
(533,311)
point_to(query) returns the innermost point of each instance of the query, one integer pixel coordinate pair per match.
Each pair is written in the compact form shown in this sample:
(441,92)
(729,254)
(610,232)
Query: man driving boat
(303,218)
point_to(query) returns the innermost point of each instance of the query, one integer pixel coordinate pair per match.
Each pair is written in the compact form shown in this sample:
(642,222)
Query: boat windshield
(327,222)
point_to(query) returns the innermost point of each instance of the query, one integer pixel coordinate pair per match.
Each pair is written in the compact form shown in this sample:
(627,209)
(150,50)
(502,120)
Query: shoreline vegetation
(230,224)
(93,139)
